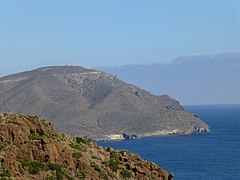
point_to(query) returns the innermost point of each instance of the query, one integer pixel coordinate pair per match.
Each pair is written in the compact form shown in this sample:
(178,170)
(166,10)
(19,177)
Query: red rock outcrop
(30,148)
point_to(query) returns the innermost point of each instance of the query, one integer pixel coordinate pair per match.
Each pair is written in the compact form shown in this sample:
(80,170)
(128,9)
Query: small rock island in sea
(30,148)
(87,102)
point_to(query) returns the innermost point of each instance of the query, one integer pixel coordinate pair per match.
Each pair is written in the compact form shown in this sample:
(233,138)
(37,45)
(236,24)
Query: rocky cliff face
(30,148)
(91,103)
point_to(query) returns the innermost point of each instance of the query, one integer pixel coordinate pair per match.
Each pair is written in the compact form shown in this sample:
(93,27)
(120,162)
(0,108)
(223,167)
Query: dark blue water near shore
(203,156)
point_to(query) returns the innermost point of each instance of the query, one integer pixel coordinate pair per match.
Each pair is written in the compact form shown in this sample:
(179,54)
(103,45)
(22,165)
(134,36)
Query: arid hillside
(87,102)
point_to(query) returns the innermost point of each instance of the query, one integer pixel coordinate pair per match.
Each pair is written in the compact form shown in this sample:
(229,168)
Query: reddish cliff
(30,148)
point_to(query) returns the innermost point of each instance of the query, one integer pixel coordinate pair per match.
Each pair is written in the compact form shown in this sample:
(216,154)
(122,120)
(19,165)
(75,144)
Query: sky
(90,33)
(191,80)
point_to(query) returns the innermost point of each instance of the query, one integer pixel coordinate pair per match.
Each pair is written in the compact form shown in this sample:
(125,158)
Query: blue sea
(214,155)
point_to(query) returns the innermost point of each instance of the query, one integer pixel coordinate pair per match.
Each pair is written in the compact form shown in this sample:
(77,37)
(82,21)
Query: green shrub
(59,175)
(68,176)
(50,177)
(82,140)
(151,177)
(103,175)
(77,154)
(34,166)
(55,166)
(56,138)
(5,173)
(34,170)
(3,144)
(115,155)
(126,174)
(82,174)
(25,162)
(35,136)
(113,165)
(21,170)
(31,119)
(77,146)
(95,166)
(58,168)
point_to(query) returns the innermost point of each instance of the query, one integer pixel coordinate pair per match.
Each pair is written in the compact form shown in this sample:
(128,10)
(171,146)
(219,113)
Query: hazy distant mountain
(88,102)
(190,79)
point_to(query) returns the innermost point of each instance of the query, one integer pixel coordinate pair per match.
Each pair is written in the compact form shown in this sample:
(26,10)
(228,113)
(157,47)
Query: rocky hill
(87,102)
(30,148)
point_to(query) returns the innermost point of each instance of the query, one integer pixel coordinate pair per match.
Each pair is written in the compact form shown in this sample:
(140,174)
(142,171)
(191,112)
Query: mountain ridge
(92,103)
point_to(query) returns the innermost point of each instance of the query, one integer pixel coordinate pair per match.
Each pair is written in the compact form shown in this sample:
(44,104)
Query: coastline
(175,132)
(214,153)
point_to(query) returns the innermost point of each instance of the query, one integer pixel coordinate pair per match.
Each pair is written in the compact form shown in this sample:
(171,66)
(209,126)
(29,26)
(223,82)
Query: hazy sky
(92,33)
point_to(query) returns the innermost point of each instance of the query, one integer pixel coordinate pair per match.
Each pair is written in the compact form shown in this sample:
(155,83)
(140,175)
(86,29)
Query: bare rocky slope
(30,148)
(87,102)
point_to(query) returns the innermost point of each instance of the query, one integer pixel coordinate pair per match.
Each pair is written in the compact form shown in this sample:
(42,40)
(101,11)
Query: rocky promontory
(30,148)
(87,102)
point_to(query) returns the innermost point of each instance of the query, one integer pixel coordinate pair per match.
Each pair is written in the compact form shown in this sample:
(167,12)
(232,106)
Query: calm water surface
(204,156)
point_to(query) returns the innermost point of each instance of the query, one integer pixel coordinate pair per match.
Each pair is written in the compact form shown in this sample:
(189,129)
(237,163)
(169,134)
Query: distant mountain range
(87,102)
(190,79)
